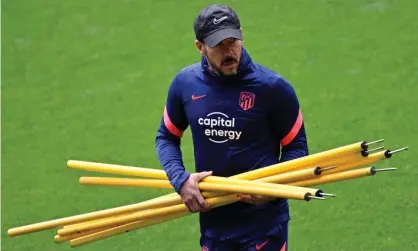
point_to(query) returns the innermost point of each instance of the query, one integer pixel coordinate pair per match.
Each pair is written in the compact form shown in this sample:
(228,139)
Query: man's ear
(199,46)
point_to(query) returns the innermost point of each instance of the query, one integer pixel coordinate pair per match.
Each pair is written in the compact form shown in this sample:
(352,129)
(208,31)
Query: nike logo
(197,97)
(217,21)
(258,247)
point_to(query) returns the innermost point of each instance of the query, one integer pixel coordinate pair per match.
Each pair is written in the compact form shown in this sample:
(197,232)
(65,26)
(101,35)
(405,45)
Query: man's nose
(227,49)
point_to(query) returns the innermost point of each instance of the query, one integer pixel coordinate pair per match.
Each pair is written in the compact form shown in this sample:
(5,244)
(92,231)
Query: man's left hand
(254,199)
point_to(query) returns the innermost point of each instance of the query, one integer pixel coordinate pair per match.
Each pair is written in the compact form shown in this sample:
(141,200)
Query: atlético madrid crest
(246,100)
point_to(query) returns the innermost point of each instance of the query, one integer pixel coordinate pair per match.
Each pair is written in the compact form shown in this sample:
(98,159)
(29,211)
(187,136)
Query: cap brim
(215,38)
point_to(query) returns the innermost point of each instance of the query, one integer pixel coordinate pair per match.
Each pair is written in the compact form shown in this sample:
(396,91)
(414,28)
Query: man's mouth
(229,62)
(229,59)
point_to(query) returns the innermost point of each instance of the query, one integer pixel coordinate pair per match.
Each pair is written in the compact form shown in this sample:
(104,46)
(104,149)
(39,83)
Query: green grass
(88,80)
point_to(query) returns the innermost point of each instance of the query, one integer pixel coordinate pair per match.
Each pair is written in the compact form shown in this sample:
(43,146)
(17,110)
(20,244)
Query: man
(242,116)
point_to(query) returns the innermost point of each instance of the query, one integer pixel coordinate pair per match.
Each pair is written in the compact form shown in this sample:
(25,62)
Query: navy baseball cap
(215,23)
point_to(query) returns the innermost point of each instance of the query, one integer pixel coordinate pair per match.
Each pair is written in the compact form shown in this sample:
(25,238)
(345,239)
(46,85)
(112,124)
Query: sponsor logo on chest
(219,127)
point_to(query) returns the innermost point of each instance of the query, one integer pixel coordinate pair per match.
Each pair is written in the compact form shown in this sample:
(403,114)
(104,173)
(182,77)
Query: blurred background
(87,80)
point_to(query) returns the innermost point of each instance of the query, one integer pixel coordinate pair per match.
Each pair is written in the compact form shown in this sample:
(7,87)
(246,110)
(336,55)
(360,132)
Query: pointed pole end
(327,168)
(390,153)
(374,142)
(386,169)
(375,149)
(315,197)
(327,194)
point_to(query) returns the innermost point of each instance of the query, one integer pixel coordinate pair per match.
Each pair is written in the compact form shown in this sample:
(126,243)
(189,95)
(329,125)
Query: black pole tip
(364,145)
(319,193)
(373,170)
(364,153)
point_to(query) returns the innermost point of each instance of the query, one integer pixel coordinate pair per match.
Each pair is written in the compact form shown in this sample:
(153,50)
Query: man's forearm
(294,151)
(170,157)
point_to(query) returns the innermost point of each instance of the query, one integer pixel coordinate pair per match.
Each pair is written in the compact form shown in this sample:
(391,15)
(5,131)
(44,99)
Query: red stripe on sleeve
(170,126)
(283,247)
(295,130)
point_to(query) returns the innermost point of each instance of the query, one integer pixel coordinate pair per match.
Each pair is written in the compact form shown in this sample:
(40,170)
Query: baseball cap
(215,23)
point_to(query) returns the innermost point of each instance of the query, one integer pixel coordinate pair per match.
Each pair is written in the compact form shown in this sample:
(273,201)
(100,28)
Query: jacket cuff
(179,180)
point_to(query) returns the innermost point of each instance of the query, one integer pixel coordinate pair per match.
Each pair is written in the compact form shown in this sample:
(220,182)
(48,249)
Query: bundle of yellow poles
(291,180)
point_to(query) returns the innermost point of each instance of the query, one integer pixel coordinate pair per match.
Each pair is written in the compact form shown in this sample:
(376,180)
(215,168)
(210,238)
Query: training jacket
(238,123)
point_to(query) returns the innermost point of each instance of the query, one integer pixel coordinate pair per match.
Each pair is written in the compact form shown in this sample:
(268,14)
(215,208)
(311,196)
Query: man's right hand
(191,195)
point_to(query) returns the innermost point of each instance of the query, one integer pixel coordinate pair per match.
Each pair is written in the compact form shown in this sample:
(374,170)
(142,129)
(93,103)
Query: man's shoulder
(271,77)
(186,75)
(192,69)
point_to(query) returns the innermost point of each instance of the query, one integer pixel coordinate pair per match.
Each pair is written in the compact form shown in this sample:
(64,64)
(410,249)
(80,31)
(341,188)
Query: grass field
(87,80)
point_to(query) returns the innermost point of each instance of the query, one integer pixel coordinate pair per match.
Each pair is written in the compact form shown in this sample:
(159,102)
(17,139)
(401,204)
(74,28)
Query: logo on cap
(217,21)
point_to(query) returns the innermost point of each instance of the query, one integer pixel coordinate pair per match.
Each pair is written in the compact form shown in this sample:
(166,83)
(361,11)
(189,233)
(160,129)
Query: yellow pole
(320,180)
(253,190)
(166,200)
(182,207)
(60,239)
(249,187)
(253,183)
(141,215)
(129,182)
(292,176)
(121,229)
(353,157)
(352,174)
(304,162)
(91,166)
(218,184)
(85,222)
(117,169)
(372,158)
(179,208)
(96,220)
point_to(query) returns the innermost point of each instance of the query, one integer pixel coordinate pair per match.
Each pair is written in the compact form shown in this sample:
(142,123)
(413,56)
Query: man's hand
(191,194)
(254,199)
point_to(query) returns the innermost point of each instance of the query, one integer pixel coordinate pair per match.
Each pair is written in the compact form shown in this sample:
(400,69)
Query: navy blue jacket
(239,123)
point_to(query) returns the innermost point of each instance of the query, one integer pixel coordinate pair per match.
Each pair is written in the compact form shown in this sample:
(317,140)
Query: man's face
(224,57)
